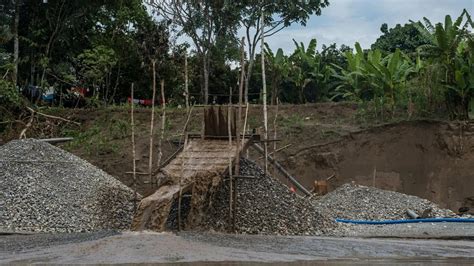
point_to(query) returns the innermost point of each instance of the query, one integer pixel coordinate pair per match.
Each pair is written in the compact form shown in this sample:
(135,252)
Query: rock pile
(357,202)
(46,189)
(265,206)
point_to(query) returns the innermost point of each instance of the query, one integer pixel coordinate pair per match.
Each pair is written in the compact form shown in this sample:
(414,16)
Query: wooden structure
(197,169)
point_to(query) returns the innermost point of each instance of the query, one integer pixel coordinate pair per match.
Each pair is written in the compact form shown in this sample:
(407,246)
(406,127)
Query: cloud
(349,21)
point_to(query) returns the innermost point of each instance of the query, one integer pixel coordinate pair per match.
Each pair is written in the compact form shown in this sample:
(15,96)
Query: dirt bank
(432,160)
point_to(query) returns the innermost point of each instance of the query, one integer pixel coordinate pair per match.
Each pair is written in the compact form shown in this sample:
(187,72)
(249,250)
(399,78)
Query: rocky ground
(266,206)
(358,202)
(46,189)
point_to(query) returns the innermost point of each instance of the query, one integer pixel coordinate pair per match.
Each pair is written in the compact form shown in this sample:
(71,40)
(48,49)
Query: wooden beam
(283,170)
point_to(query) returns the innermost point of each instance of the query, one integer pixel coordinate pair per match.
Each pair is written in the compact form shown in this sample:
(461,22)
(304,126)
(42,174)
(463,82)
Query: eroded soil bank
(432,160)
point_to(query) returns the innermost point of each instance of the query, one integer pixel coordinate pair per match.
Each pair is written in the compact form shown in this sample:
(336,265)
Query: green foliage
(100,137)
(9,95)
(371,75)
(292,124)
(96,63)
(405,38)
(450,50)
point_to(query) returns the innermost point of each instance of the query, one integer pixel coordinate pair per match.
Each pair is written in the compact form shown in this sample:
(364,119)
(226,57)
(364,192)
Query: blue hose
(425,220)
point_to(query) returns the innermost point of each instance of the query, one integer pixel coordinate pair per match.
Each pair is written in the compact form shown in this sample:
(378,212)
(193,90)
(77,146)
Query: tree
(406,38)
(204,22)
(278,15)
(450,48)
(96,65)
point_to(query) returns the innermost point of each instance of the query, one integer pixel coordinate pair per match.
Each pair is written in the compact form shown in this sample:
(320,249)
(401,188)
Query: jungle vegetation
(419,68)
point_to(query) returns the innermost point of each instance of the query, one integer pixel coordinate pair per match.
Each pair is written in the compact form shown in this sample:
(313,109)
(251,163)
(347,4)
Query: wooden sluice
(198,169)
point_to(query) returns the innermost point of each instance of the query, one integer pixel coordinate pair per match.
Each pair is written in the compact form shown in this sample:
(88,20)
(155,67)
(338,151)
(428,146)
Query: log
(57,140)
(282,170)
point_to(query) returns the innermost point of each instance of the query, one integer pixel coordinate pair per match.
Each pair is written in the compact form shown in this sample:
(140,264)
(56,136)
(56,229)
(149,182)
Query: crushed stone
(46,189)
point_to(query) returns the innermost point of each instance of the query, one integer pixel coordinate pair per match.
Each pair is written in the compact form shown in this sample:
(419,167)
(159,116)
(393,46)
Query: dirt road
(147,247)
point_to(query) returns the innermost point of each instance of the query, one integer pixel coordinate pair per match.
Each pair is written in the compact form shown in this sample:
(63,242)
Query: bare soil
(429,159)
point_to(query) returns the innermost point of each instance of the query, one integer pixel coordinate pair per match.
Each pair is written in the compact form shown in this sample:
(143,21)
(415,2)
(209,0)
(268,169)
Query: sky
(350,21)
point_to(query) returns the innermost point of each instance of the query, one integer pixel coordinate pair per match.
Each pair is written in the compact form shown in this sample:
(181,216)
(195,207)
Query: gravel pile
(46,189)
(265,206)
(357,202)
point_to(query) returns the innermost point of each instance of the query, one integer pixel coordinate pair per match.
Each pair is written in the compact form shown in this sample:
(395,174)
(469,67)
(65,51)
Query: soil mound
(368,203)
(46,189)
(265,206)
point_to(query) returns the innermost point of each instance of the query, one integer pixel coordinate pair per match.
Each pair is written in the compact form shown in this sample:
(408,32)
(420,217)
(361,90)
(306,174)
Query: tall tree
(202,21)
(406,38)
(278,14)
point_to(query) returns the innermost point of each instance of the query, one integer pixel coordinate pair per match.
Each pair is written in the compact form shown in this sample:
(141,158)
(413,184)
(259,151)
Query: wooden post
(374,175)
(229,128)
(237,125)
(264,96)
(163,122)
(152,122)
(132,122)
(186,89)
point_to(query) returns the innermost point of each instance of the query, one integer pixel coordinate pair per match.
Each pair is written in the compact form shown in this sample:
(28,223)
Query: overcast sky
(348,21)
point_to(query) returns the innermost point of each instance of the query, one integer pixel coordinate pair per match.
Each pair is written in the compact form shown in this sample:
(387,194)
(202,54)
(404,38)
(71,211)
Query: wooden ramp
(197,169)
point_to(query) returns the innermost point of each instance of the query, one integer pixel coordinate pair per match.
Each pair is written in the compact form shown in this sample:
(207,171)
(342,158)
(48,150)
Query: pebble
(46,189)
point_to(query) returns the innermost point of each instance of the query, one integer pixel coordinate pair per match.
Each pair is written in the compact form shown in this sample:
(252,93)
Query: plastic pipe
(424,220)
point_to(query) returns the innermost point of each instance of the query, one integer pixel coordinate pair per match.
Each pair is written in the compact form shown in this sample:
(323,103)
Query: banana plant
(279,69)
(450,48)
(373,76)
(306,67)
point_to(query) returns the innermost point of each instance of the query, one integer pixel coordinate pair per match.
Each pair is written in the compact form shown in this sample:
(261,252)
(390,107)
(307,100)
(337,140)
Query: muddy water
(146,247)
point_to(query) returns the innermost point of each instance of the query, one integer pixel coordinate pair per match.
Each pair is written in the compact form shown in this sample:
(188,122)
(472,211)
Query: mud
(429,159)
(149,247)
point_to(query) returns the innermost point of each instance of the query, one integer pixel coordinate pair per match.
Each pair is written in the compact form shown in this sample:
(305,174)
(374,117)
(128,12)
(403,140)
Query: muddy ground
(199,247)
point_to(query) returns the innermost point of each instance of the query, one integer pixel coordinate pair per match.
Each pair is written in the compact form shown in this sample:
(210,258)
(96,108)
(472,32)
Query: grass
(100,137)
(293,123)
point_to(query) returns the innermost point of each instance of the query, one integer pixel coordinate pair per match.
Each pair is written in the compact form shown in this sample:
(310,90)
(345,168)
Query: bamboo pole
(134,163)
(275,125)
(229,129)
(245,128)
(163,122)
(186,89)
(264,96)
(152,122)
(185,128)
(237,125)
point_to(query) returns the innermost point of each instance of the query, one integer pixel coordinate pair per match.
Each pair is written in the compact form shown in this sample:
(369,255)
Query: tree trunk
(247,78)
(186,89)
(16,42)
(302,95)
(206,78)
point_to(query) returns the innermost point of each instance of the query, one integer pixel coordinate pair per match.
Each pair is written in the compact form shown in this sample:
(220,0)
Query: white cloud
(348,21)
